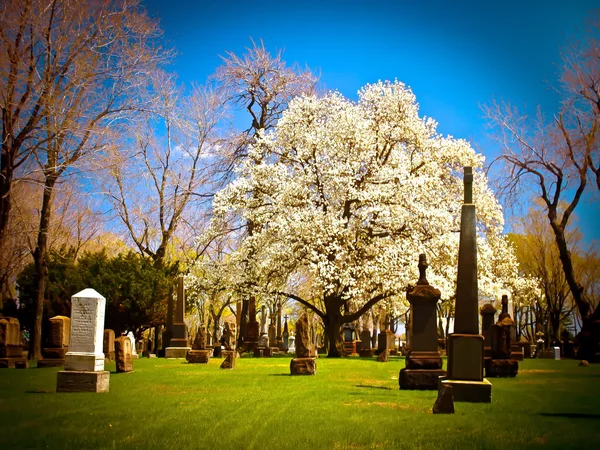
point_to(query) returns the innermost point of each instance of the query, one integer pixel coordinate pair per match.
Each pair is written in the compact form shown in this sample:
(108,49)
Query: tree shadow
(572,415)
(40,391)
(373,387)
(280,374)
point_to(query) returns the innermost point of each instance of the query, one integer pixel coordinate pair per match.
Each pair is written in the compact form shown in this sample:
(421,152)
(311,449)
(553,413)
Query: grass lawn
(350,403)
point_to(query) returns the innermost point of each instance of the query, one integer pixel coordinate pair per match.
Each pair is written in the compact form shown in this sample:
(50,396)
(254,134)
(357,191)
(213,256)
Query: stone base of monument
(420,379)
(49,362)
(11,351)
(262,352)
(198,356)
(176,352)
(14,363)
(469,391)
(501,368)
(303,366)
(516,356)
(366,353)
(110,356)
(79,381)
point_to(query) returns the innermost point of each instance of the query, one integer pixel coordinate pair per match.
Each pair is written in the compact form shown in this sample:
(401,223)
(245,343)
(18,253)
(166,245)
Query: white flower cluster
(351,192)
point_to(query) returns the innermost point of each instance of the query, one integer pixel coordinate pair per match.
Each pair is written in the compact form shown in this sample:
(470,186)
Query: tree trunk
(333,324)
(41,267)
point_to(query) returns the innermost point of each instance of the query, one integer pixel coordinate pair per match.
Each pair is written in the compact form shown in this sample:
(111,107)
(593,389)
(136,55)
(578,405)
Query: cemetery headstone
(444,404)
(384,356)
(292,347)
(488,313)
(365,344)
(252,326)
(109,345)
(131,338)
(286,336)
(423,363)
(11,344)
(228,340)
(179,341)
(303,363)
(465,345)
(58,343)
(84,362)
(123,355)
(199,354)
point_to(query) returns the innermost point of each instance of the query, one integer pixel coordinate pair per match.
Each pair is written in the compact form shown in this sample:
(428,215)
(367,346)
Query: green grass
(350,403)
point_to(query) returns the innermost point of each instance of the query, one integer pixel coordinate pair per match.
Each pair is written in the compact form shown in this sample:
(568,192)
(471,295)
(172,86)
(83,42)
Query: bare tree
(554,159)
(161,179)
(78,68)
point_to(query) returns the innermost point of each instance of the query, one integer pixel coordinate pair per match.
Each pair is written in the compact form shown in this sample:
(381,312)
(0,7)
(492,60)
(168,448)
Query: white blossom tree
(350,193)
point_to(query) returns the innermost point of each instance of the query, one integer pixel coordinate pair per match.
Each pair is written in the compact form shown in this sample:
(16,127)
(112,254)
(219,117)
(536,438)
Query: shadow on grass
(40,391)
(572,415)
(374,387)
(280,375)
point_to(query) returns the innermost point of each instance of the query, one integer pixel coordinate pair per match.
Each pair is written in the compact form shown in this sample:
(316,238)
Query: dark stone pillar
(423,364)
(465,345)
(487,312)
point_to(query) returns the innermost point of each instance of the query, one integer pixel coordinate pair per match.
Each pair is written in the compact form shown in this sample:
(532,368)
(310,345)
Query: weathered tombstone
(384,356)
(131,338)
(262,346)
(292,348)
(365,344)
(487,312)
(501,364)
(303,364)
(286,336)
(252,326)
(109,345)
(228,339)
(58,343)
(349,341)
(123,355)
(423,364)
(84,362)
(465,345)
(179,341)
(11,344)
(444,404)
(386,340)
(199,354)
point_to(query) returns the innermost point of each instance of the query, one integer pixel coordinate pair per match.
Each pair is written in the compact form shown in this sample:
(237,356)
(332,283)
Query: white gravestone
(87,332)
(132,340)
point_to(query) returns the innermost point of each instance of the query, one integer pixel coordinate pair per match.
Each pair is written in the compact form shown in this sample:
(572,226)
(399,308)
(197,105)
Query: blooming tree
(349,193)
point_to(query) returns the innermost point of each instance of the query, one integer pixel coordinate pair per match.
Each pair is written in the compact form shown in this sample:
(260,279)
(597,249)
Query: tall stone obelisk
(179,340)
(465,345)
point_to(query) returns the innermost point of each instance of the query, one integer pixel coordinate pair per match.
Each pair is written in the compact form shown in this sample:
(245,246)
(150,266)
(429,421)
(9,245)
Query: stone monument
(262,347)
(386,339)
(168,333)
(500,364)
(365,344)
(109,345)
(123,355)
(286,336)
(58,343)
(11,345)
(423,363)
(84,362)
(465,345)
(179,341)
(303,364)
(199,354)
(251,338)
(131,338)
(487,313)
(228,339)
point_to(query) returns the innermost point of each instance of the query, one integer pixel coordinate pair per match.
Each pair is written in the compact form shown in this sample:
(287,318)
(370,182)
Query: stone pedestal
(303,366)
(82,381)
(84,362)
(198,356)
(386,340)
(350,348)
(176,352)
(366,353)
(469,391)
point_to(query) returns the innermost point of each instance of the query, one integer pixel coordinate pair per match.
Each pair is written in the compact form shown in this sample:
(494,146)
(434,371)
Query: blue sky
(455,56)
